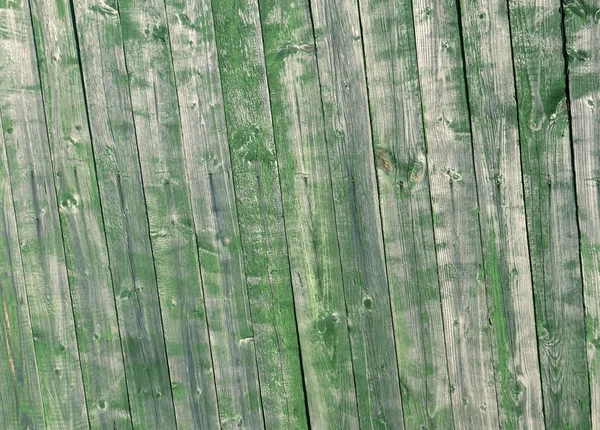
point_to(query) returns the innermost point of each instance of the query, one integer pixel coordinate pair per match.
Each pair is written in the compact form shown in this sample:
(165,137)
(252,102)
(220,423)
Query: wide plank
(453,184)
(550,204)
(260,211)
(38,223)
(309,213)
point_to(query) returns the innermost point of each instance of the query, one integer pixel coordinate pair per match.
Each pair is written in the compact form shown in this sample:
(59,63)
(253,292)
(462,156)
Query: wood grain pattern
(582,34)
(213,202)
(124,210)
(400,151)
(303,163)
(494,124)
(40,232)
(455,208)
(551,210)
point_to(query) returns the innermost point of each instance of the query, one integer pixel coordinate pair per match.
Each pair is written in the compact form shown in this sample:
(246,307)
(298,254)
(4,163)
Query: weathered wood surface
(352,163)
(494,125)
(213,203)
(21,396)
(124,208)
(582,46)
(37,216)
(400,153)
(455,209)
(158,130)
(551,210)
(259,205)
(303,163)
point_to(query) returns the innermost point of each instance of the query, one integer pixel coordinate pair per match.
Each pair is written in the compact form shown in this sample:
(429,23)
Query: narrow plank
(582,34)
(96,320)
(398,138)
(38,223)
(551,210)
(455,209)
(20,395)
(259,205)
(309,213)
(213,203)
(124,210)
(162,159)
(352,163)
(495,129)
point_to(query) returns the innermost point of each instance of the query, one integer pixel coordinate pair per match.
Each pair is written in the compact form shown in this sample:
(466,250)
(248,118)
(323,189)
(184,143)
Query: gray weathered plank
(495,130)
(400,151)
(259,204)
(582,34)
(213,203)
(351,158)
(162,158)
(551,210)
(309,213)
(86,253)
(38,223)
(455,209)
(20,395)
(124,209)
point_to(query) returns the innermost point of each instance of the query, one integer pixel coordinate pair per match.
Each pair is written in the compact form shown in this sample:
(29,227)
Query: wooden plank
(352,163)
(96,320)
(124,210)
(213,203)
(259,205)
(162,159)
(21,395)
(551,210)
(309,213)
(455,210)
(400,150)
(583,49)
(38,223)
(495,129)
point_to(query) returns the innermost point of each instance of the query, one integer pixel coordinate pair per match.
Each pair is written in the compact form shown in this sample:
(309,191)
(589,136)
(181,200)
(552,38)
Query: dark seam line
(58,211)
(529,246)
(87,114)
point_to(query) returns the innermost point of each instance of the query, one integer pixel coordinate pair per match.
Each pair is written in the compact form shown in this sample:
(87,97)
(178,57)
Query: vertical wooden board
(400,151)
(208,165)
(582,32)
(38,223)
(348,131)
(455,210)
(309,213)
(158,131)
(551,210)
(124,209)
(495,130)
(259,204)
(79,207)
(20,395)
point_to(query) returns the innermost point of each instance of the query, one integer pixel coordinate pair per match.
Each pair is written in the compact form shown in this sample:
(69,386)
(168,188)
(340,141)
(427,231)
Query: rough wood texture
(213,203)
(21,395)
(400,151)
(455,209)
(309,213)
(259,204)
(494,125)
(582,34)
(124,209)
(158,131)
(551,210)
(348,132)
(79,207)
(40,235)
